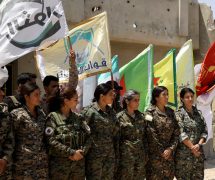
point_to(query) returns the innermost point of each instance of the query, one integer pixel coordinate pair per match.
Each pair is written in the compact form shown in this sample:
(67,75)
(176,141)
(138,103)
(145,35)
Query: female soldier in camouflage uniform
(30,158)
(100,160)
(193,133)
(66,133)
(133,144)
(162,136)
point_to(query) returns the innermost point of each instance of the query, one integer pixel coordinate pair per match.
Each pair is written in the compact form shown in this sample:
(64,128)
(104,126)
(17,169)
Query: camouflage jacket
(65,135)
(12,102)
(133,132)
(6,134)
(29,133)
(162,130)
(104,128)
(192,126)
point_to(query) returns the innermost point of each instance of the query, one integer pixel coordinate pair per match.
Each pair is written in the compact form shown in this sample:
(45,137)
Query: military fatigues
(100,160)
(65,136)
(162,133)
(30,157)
(133,144)
(6,140)
(192,127)
(13,102)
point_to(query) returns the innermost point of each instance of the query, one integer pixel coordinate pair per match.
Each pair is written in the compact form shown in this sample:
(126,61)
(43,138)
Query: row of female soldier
(100,144)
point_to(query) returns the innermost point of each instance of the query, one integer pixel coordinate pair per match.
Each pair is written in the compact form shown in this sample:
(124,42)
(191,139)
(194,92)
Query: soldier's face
(72,103)
(133,104)
(2,94)
(188,99)
(108,98)
(33,98)
(162,99)
(52,89)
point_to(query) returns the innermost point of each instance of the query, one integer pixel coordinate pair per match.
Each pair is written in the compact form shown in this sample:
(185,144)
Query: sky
(210,3)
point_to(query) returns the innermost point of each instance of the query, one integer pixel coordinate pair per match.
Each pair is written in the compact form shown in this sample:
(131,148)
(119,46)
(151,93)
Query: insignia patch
(49,131)
(148,117)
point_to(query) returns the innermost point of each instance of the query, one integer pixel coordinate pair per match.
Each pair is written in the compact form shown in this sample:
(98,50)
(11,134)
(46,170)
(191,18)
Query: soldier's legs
(108,168)
(183,169)
(160,169)
(78,170)
(198,169)
(139,169)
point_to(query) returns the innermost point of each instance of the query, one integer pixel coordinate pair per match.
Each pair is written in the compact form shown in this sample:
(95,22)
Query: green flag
(138,75)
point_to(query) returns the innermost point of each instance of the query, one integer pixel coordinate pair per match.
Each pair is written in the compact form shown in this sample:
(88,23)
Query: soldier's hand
(196,153)
(196,147)
(72,54)
(77,156)
(167,153)
(3,166)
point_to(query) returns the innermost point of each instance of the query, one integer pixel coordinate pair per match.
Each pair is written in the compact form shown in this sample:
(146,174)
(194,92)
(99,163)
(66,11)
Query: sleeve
(53,139)
(8,145)
(175,136)
(151,132)
(73,74)
(204,133)
(182,133)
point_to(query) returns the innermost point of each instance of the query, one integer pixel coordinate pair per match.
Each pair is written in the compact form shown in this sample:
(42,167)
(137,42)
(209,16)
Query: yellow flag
(165,75)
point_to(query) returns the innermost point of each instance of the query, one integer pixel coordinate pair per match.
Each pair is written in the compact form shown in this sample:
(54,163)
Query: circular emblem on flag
(49,131)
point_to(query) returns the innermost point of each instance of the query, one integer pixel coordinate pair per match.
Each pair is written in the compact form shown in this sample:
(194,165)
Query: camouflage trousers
(190,168)
(131,165)
(160,169)
(65,169)
(34,167)
(7,175)
(100,166)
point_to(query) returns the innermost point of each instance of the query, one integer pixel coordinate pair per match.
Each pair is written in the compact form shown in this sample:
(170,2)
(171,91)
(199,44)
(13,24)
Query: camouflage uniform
(6,140)
(30,157)
(162,133)
(65,136)
(193,127)
(13,102)
(133,144)
(100,160)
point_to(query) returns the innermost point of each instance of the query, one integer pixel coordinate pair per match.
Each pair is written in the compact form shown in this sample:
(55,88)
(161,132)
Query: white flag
(26,24)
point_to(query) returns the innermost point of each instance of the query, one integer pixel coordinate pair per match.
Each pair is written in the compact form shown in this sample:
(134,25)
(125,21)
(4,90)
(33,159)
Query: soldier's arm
(183,136)
(8,145)
(204,133)
(53,140)
(73,71)
(175,136)
(151,131)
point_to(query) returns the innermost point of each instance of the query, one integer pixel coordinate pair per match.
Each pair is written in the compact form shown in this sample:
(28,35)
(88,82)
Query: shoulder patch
(148,117)
(49,131)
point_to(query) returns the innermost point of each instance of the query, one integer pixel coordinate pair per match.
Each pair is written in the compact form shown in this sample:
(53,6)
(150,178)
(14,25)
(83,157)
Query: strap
(15,101)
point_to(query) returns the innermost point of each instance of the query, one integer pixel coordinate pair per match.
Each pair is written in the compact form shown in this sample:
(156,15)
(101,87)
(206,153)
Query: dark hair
(27,89)
(156,93)
(129,95)
(184,91)
(101,89)
(32,75)
(23,78)
(48,79)
(56,102)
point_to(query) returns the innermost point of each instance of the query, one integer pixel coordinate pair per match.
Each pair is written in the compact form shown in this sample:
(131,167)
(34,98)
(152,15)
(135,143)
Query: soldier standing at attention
(100,160)
(68,138)
(30,157)
(193,133)
(162,136)
(6,140)
(132,148)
